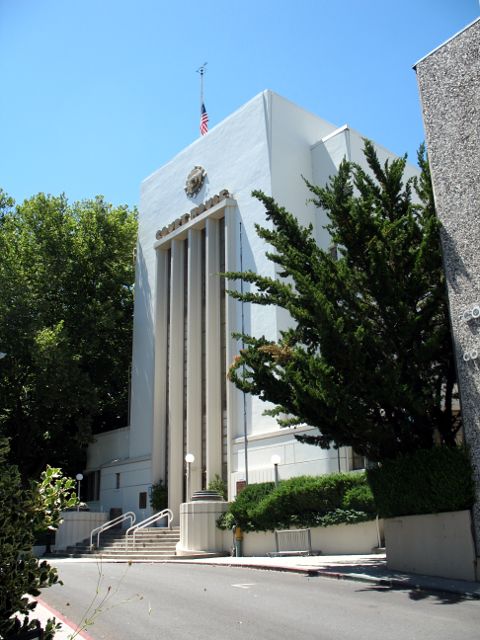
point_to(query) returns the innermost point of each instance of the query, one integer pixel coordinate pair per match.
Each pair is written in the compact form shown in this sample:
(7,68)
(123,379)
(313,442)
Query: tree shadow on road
(418,594)
(383,581)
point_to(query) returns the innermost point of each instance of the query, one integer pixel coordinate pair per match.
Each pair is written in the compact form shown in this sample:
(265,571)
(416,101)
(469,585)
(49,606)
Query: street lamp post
(189,458)
(79,478)
(275,460)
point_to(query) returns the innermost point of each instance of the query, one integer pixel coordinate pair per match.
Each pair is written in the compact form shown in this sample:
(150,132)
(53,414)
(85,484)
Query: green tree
(368,360)
(26,512)
(66,308)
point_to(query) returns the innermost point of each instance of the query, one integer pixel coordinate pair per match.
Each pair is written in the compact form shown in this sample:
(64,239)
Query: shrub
(359,498)
(246,501)
(303,501)
(159,496)
(219,485)
(428,481)
(26,513)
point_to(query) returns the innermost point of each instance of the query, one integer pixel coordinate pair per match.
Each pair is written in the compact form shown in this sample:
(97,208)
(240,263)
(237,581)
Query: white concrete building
(190,230)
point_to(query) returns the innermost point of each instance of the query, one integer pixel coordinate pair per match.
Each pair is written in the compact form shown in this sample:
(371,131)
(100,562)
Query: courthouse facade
(197,220)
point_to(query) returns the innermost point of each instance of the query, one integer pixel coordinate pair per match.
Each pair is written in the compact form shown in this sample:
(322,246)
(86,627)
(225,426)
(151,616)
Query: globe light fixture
(79,478)
(189,458)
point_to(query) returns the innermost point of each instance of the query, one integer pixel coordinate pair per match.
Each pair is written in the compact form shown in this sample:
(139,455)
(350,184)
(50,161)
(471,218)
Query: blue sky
(97,94)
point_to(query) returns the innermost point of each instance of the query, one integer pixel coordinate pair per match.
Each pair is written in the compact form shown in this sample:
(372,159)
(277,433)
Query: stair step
(150,543)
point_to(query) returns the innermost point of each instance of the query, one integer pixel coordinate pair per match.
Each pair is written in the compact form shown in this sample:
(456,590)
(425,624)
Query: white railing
(168,513)
(110,524)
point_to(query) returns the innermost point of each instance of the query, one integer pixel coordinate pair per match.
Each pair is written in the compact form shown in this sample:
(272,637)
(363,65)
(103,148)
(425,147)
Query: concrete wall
(336,540)
(438,544)
(110,454)
(134,478)
(108,447)
(76,526)
(294,131)
(449,84)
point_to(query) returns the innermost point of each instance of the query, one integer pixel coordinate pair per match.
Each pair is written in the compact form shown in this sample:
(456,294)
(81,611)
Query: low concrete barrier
(339,539)
(76,526)
(437,544)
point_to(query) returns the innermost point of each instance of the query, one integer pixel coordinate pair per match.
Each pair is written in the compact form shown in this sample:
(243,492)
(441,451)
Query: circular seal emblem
(195,180)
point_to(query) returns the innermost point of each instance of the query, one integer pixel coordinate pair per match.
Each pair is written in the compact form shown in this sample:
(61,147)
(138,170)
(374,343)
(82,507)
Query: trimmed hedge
(428,481)
(240,511)
(305,501)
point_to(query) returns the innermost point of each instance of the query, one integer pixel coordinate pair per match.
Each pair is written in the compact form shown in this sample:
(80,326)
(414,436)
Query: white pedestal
(198,527)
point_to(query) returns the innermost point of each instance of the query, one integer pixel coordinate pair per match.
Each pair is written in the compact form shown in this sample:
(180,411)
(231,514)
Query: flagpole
(201,71)
(203,111)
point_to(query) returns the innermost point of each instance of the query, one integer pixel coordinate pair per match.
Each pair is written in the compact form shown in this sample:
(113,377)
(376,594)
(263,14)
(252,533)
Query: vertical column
(160,375)
(176,394)
(230,326)
(213,351)
(194,358)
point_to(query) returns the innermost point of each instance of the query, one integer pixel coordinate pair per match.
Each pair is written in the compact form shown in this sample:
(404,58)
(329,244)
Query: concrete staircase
(151,543)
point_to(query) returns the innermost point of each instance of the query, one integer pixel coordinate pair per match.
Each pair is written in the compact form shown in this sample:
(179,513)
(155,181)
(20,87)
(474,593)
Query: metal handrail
(111,523)
(144,523)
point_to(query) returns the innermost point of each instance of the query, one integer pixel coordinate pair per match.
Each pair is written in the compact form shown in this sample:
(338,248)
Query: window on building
(358,461)
(92,486)
(142,500)
(117,481)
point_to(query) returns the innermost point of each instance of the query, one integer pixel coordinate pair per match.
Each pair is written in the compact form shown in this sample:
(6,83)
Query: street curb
(384,582)
(69,625)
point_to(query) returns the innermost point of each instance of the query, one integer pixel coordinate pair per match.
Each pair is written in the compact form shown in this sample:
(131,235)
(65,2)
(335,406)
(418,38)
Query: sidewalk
(67,631)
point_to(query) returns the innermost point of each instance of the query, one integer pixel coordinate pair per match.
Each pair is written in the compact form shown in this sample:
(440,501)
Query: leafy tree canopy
(66,307)
(368,359)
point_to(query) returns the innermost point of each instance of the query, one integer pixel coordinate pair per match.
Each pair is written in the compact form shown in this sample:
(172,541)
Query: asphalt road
(179,601)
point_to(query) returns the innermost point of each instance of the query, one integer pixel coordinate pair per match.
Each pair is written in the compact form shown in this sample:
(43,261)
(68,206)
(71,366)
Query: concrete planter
(438,544)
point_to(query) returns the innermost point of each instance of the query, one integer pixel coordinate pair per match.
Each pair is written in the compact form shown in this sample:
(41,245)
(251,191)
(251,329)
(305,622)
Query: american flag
(203,120)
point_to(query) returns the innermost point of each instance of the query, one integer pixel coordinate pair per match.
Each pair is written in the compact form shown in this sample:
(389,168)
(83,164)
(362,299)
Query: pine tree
(368,359)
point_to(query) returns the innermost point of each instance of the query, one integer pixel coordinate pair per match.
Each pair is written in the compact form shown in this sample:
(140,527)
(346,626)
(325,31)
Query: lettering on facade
(196,211)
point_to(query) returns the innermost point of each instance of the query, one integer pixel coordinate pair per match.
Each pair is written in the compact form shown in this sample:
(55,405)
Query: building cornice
(178,229)
(268,435)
